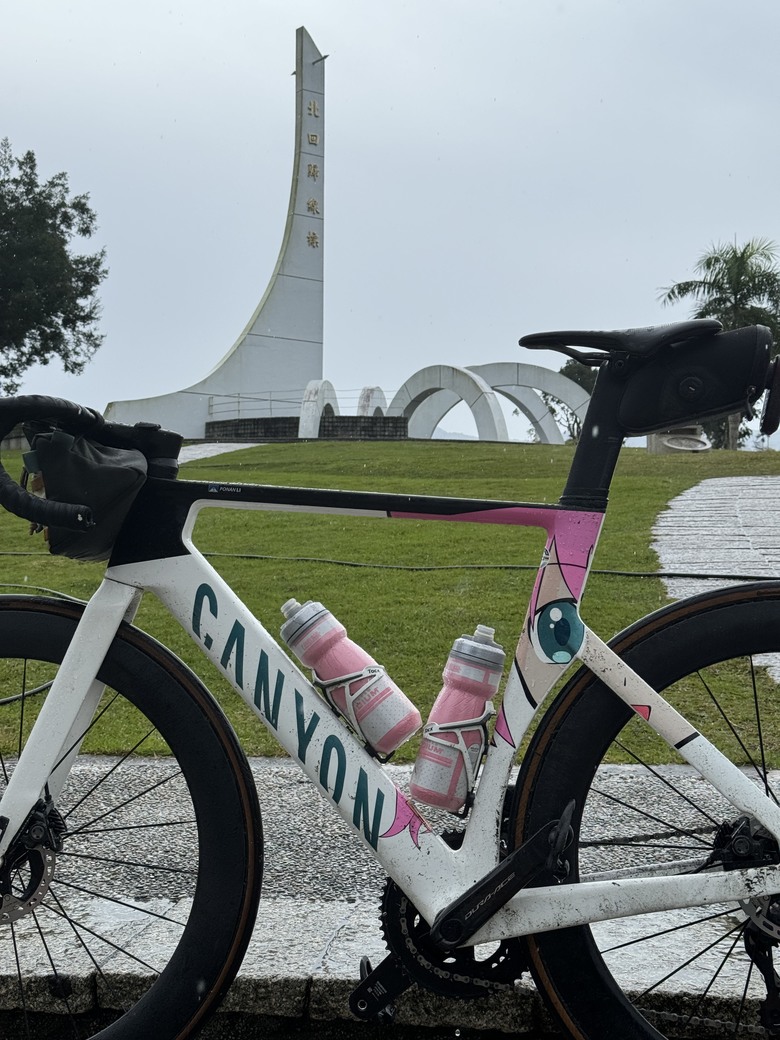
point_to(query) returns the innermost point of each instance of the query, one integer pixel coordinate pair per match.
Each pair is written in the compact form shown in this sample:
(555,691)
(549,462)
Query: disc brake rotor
(23,885)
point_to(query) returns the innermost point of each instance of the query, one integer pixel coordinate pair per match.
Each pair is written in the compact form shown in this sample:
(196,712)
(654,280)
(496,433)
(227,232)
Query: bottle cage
(472,768)
(372,673)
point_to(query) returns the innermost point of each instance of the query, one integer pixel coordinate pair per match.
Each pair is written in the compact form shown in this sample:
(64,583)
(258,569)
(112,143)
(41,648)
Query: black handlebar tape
(41,510)
(72,417)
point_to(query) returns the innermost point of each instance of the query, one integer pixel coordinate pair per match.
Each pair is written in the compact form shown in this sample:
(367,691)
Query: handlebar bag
(83,472)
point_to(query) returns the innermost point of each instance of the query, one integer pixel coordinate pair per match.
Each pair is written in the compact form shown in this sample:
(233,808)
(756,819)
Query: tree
(739,285)
(582,375)
(48,307)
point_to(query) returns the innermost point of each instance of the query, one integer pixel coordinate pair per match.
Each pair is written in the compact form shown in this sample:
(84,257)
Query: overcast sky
(493,168)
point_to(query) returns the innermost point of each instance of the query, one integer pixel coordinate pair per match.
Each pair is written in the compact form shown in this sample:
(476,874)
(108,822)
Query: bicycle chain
(459,975)
(453,973)
(708,1023)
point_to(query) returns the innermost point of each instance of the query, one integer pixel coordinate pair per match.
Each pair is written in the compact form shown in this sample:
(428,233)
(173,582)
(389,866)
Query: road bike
(130,883)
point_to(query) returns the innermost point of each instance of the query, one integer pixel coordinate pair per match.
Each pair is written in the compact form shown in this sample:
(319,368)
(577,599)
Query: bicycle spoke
(20,979)
(83,946)
(116,861)
(759,732)
(647,815)
(85,832)
(665,781)
(116,765)
(711,983)
(694,957)
(122,805)
(118,902)
(761,775)
(62,990)
(743,998)
(101,938)
(20,743)
(665,931)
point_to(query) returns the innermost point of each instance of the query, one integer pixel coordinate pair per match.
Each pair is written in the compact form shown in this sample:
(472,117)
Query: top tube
(649,379)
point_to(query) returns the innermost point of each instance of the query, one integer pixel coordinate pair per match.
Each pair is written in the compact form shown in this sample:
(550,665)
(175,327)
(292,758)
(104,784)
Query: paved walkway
(191,452)
(727,526)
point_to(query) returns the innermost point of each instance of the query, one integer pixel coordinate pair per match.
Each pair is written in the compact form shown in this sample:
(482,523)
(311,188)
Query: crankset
(466,972)
(540,855)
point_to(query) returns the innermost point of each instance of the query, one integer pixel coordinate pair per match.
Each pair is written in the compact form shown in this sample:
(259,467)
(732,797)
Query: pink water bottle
(455,736)
(353,683)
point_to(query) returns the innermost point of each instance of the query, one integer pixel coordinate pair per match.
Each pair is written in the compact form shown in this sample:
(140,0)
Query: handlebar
(68,416)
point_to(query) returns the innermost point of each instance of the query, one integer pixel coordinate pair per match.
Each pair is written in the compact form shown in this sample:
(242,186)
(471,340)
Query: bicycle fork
(67,712)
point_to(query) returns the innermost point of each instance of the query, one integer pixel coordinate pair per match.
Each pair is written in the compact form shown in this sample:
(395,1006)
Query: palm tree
(739,285)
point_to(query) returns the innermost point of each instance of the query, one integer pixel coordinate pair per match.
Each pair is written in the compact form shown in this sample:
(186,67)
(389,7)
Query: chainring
(467,972)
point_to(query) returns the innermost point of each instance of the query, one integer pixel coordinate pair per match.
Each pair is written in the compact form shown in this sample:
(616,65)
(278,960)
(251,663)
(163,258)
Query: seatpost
(597,451)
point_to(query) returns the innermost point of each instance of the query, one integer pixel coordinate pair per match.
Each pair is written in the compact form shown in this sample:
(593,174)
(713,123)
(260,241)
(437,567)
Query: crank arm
(456,923)
(378,988)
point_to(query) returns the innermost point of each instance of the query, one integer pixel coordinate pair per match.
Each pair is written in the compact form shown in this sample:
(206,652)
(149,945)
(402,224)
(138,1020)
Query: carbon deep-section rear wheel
(127,904)
(642,811)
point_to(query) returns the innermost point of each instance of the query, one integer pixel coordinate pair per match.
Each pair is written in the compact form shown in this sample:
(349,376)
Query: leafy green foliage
(739,285)
(582,375)
(48,307)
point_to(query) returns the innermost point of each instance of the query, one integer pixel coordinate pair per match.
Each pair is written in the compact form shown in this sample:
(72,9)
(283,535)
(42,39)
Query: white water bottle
(351,680)
(455,736)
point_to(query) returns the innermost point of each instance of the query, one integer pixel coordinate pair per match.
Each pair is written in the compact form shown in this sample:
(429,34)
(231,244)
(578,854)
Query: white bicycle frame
(350,777)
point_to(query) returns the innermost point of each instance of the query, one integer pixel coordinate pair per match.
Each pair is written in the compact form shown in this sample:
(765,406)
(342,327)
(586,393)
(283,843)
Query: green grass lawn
(397,604)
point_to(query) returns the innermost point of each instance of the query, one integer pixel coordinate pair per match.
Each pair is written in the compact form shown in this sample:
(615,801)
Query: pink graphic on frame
(548,582)
(566,558)
(502,728)
(405,819)
(643,710)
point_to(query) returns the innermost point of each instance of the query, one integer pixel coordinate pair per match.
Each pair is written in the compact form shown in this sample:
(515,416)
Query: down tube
(297,716)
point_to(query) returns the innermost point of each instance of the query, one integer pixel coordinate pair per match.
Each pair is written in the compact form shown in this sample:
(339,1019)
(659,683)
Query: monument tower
(279,352)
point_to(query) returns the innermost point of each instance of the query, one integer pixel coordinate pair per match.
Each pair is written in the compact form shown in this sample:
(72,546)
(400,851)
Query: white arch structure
(317,397)
(372,401)
(454,384)
(429,394)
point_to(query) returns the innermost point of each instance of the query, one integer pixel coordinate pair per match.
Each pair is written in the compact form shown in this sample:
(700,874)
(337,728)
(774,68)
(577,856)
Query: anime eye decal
(558,632)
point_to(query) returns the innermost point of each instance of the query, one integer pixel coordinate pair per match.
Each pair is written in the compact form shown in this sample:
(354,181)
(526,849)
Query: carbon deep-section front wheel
(641,811)
(127,903)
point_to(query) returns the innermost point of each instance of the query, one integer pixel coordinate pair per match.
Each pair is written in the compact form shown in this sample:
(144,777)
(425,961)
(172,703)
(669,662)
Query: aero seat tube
(597,451)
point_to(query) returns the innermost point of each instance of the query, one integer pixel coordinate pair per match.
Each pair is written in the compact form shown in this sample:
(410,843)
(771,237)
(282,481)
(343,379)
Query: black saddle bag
(84,472)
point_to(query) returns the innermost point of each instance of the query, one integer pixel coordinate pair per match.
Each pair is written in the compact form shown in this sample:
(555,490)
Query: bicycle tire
(154,894)
(662,975)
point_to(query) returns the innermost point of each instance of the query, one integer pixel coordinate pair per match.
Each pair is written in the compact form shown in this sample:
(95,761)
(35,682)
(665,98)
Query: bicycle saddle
(639,342)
